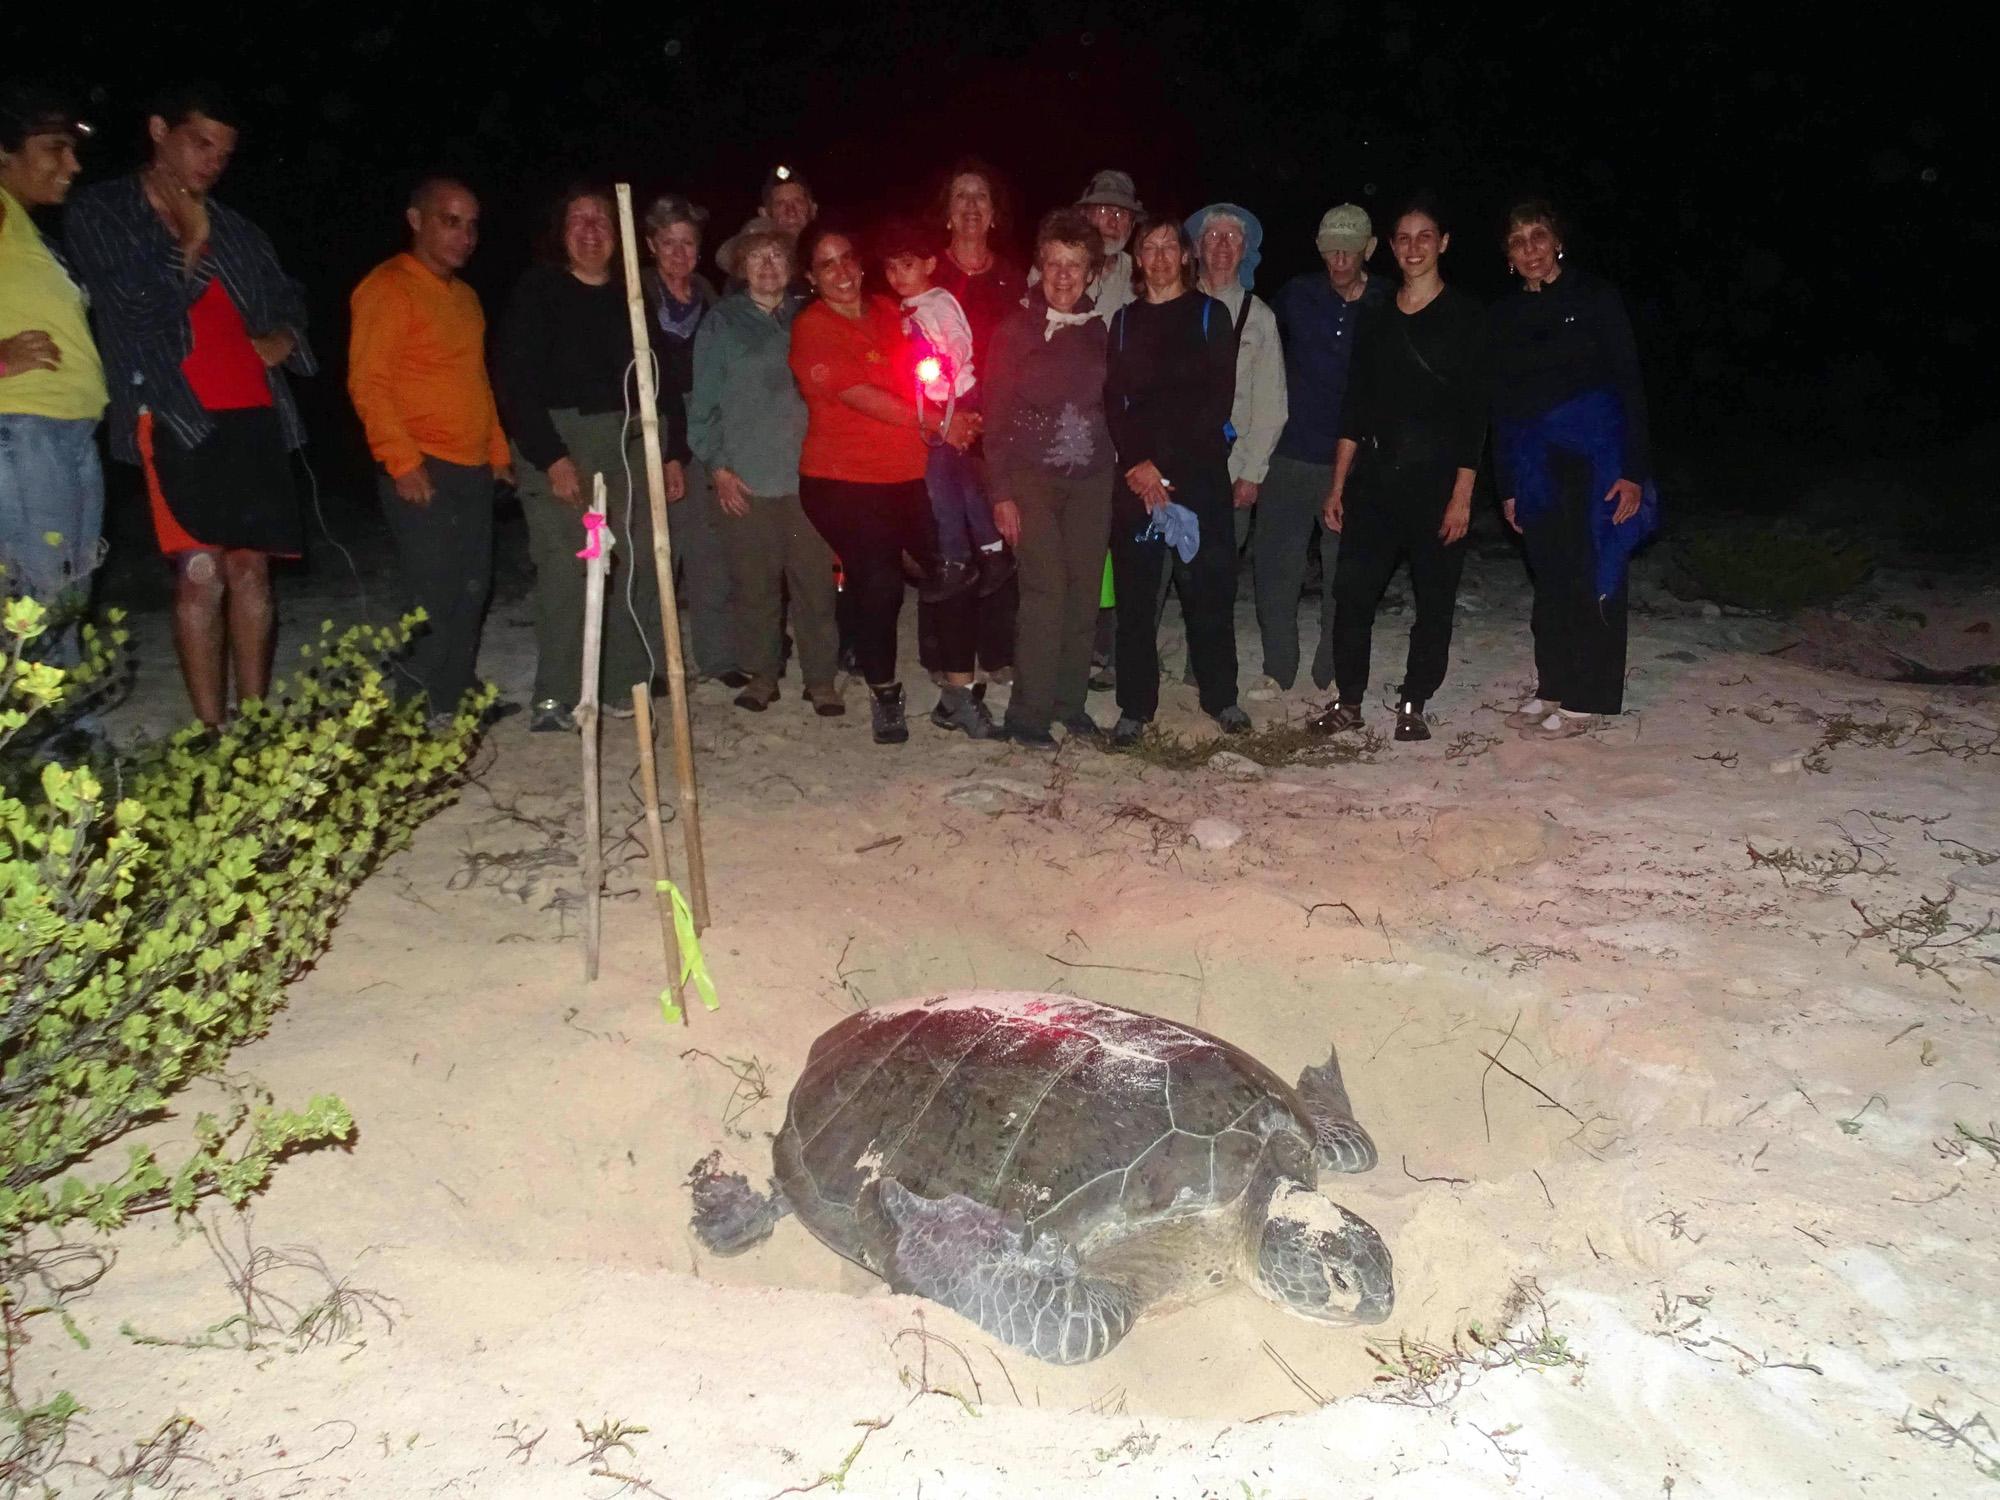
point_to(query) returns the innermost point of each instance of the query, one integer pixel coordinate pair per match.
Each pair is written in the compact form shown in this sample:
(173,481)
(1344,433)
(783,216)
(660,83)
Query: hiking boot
(959,708)
(891,728)
(1410,723)
(1233,720)
(1127,732)
(1026,736)
(1338,719)
(947,581)
(995,568)
(549,716)
(1081,725)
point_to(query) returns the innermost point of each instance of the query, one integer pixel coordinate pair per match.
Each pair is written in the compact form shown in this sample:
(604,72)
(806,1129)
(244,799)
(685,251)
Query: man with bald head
(416,372)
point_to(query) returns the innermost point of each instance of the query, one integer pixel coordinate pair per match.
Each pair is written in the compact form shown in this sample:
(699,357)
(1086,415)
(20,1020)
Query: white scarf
(1062,320)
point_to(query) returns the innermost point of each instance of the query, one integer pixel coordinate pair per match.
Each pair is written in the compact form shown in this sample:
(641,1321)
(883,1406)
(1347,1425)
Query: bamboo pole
(586,723)
(656,834)
(663,564)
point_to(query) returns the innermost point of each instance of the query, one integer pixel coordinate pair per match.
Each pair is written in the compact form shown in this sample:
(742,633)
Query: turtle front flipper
(730,1216)
(1338,1139)
(978,1262)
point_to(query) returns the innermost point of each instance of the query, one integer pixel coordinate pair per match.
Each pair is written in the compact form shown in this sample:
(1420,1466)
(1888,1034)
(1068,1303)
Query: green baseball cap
(1347,227)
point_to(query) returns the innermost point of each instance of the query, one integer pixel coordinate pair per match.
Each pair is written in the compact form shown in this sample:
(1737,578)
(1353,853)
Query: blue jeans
(51,516)
(958,501)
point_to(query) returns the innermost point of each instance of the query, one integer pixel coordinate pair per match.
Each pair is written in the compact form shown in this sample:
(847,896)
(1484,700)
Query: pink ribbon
(594,540)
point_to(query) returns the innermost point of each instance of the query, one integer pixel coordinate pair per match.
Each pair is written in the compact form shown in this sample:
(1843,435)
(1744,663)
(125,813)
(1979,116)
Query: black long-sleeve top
(1418,390)
(563,344)
(1570,337)
(675,356)
(1169,382)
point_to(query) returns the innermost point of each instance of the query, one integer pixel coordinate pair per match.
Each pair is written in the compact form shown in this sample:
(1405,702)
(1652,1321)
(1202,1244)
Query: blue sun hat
(1253,236)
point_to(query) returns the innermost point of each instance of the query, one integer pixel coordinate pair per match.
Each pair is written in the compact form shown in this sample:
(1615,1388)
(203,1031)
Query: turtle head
(1316,1259)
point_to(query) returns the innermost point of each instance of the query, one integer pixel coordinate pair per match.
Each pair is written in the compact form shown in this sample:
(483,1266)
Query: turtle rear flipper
(1338,1139)
(977,1262)
(729,1215)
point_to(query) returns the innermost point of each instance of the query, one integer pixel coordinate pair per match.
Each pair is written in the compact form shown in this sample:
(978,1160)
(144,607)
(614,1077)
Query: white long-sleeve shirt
(1258,412)
(941,321)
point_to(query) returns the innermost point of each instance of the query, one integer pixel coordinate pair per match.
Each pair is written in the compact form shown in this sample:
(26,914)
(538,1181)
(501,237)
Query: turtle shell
(1082,1119)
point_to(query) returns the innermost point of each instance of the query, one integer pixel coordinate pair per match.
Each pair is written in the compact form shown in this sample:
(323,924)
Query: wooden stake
(656,834)
(586,723)
(663,564)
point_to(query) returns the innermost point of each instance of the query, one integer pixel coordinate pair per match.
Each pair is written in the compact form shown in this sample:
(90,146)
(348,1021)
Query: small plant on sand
(1974,1434)
(1823,871)
(1415,1372)
(1925,936)
(1274,745)
(145,934)
(329,1309)
(1772,566)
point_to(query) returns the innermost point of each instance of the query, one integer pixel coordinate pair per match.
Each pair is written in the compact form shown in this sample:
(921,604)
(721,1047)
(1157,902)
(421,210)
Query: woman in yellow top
(51,383)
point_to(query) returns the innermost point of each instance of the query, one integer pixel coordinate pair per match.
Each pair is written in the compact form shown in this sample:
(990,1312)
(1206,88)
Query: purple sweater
(1045,395)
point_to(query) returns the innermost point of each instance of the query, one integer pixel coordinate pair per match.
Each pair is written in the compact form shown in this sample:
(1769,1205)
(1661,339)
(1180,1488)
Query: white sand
(1677,1182)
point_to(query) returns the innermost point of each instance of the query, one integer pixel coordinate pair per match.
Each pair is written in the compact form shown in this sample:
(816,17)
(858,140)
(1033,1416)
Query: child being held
(970,551)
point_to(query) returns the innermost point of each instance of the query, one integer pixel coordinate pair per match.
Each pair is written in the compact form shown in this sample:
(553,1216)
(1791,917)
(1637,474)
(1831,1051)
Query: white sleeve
(1260,407)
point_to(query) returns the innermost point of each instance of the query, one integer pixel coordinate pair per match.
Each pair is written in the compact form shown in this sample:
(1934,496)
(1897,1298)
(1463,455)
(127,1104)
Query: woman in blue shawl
(1571,453)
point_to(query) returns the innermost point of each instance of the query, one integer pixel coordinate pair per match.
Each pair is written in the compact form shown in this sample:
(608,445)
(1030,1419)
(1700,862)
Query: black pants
(1579,638)
(445,549)
(1393,512)
(1207,587)
(870,527)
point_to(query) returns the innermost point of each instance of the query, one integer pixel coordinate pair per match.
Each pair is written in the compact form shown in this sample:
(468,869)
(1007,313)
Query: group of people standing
(1027,449)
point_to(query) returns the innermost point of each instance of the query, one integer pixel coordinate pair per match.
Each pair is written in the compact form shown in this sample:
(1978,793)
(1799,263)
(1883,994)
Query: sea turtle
(1050,1168)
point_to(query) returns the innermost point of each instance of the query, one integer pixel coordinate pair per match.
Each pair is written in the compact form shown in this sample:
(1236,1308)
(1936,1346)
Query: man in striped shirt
(198,324)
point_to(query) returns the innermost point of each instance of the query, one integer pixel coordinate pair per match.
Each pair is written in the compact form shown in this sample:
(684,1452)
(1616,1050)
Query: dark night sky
(1795,208)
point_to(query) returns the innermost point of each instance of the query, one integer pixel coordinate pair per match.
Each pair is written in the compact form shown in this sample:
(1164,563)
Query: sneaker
(1338,719)
(758,694)
(947,581)
(1266,688)
(995,568)
(1530,714)
(826,702)
(1561,724)
(1126,732)
(959,708)
(1026,736)
(551,717)
(1410,723)
(1233,720)
(1081,725)
(891,728)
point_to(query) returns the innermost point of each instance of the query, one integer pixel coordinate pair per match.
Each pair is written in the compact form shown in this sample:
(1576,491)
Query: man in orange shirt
(416,372)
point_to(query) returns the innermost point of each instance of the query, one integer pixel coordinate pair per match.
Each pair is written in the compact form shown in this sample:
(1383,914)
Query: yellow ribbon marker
(693,965)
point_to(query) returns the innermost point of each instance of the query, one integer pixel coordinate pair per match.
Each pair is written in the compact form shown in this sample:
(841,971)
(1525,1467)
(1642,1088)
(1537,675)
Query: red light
(929,369)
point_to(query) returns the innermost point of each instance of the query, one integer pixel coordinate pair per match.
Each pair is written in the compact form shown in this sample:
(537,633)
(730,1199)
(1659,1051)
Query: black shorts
(233,491)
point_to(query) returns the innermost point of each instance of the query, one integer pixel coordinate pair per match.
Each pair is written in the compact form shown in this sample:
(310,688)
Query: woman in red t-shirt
(861,476)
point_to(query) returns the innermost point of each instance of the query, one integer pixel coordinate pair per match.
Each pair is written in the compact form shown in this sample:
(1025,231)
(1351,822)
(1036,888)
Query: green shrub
(143,937)
(1777,566)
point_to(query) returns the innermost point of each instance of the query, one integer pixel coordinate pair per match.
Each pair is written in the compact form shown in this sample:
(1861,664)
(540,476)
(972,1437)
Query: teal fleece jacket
(745,413)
